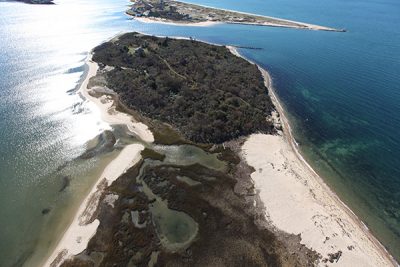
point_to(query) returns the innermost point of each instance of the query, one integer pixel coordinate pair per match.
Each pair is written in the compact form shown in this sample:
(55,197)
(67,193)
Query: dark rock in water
(106,142)
(65,183)
(107,138)
(45,211)
(62,166)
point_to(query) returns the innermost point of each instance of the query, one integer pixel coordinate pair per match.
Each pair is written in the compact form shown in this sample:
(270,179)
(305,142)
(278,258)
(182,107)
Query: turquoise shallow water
(341,90)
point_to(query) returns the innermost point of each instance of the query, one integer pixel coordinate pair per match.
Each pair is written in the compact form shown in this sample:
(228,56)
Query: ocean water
(341,91)
(44,124)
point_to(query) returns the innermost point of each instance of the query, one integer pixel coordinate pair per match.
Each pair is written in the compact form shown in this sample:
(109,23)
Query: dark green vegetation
(157,9)
(207,93)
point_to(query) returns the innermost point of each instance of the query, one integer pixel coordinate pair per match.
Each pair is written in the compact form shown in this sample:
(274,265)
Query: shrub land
(203,90)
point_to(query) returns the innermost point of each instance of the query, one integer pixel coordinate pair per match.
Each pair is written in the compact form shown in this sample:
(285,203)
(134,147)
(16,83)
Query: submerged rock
(105,142)
(65,183)
(45,211)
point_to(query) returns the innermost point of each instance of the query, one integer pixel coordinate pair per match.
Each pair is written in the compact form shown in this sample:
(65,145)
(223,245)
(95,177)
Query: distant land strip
(36,2)
(176,12)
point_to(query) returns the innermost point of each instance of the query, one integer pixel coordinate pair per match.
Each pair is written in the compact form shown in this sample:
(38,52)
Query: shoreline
(82,228)
(167,22)
(289,139)
(78,234)
(308,25)
(108,111)
(292,141)
(300,25)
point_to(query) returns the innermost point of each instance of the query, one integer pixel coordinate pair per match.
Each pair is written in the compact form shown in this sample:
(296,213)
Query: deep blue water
(341,90)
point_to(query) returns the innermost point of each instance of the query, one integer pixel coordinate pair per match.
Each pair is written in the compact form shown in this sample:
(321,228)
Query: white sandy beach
(212,23)
(306,25)
(167,22)
(297,200)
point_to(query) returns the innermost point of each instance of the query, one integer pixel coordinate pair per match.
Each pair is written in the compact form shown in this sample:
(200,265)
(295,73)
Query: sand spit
(82,229)
(202,15)
(210,23)
(301,25)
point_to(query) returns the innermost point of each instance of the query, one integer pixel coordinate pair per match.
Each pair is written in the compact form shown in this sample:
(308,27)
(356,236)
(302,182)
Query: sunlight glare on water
(44,123)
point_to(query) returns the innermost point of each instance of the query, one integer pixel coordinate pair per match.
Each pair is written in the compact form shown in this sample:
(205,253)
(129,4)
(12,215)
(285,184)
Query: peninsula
(171,11)
(213,179)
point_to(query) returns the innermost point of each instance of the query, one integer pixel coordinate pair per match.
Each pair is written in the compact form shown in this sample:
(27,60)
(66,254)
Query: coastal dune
(296,201)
